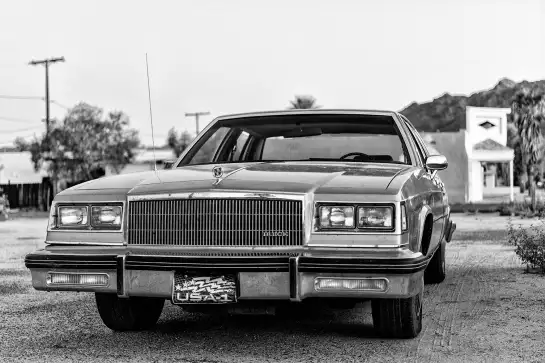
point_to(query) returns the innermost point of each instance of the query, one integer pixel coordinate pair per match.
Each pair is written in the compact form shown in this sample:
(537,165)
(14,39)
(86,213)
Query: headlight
(375,217)
(72,216)
(336,217)
(106,216)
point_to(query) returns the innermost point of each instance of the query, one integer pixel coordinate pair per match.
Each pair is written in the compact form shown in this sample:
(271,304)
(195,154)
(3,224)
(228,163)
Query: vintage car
(268,209)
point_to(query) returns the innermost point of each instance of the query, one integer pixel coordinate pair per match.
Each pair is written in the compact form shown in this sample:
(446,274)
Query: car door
(435,176)
(435,193)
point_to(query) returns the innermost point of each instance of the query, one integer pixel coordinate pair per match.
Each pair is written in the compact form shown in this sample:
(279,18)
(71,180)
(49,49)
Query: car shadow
(345,322)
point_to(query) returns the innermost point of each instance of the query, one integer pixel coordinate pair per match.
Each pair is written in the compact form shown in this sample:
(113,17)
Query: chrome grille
(216,222)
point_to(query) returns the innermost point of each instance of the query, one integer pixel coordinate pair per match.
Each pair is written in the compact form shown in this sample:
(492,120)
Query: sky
(237,56)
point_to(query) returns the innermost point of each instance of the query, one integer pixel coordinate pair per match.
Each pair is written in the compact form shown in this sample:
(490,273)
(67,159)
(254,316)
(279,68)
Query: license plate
(219,289)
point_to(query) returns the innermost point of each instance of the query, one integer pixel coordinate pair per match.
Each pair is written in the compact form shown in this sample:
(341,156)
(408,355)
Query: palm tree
(303,102)
(528,109)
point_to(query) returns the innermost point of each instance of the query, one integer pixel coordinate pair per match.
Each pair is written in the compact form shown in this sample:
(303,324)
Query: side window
(207,150)
(236,152)
(418,146)
(421,143)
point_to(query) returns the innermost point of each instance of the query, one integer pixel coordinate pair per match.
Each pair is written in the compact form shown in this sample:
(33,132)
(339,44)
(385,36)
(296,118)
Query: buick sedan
(268,209)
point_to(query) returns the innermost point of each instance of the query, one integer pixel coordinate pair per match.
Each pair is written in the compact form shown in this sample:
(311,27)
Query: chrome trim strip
(351,233)
(121,283)
(112,244)
(357,245)
(294,278)
(218,195)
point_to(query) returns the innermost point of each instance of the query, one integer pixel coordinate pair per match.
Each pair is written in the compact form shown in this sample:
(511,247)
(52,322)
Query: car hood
(289,177)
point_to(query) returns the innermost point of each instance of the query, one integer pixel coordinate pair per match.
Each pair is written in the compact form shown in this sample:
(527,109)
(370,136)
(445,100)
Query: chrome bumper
(259,278)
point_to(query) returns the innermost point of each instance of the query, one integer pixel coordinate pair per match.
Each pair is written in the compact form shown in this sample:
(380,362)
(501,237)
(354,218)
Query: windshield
(326,137)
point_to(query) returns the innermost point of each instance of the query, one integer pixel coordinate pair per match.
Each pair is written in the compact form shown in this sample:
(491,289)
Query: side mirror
(168,164)
(436,162)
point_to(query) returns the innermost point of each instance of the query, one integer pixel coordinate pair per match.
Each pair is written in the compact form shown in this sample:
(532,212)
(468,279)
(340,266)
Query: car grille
(216,222)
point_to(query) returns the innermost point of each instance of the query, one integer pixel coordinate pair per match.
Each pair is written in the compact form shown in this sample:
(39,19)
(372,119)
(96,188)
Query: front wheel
(398,318)
(437,267)
(135,313)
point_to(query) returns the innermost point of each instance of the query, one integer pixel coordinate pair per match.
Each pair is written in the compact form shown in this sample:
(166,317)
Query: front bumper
(259,277)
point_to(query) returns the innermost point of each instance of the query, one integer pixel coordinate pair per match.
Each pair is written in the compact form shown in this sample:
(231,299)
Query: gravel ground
(487,309)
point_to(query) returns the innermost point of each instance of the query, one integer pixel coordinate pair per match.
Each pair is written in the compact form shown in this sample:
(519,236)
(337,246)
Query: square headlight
(72,216)
(336,217)
(107,216)
(375,217)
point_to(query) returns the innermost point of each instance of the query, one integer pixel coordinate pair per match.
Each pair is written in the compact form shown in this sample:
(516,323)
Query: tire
(135,313)
(398,318)
(437,267)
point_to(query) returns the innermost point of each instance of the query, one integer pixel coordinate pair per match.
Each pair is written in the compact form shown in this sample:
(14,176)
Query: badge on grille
(217,171)
(275,234)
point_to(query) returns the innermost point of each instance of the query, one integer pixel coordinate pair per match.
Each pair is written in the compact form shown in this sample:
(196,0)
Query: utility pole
(46,63)
(196,115)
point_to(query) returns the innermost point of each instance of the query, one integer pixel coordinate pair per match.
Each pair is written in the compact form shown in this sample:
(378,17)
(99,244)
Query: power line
(15,119)
(59,104)
(21,97)
(196,115)
(20,130)
(8,97)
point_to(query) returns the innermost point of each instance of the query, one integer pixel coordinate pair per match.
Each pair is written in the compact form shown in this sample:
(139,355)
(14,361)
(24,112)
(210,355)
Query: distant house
(473,154)
(24,186)
(144,160)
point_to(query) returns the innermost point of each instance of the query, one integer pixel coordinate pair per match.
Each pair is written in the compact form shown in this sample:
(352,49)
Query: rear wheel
(398,318)
(437,267)
(135,313)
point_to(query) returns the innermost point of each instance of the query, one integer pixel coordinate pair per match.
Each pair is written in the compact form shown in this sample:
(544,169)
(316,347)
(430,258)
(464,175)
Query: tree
(21,144)
(528,109)
(303,102)
(84,145)
(178,143)
(519,172)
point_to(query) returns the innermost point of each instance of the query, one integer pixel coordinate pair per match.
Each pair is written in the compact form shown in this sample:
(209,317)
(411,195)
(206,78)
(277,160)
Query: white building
(486,140)
(473,154)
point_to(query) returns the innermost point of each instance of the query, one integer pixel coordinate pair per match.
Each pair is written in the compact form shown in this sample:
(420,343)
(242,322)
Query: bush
(529,245)
(522,209)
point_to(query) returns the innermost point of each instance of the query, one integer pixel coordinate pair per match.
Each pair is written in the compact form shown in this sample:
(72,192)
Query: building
(24,186)
(473,154)
(144,160)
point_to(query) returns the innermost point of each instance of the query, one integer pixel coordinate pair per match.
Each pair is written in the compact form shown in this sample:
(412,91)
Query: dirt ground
(487,310)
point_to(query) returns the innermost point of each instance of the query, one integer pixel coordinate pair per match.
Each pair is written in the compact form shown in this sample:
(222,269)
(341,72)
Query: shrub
(529,245)
(522,209)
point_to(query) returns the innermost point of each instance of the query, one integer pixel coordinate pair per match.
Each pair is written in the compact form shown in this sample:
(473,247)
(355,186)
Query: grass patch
(497,236)
(13,287)
(14,272)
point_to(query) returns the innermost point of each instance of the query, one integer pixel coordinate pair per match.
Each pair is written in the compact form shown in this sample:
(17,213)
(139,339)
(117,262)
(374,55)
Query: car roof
(307,112)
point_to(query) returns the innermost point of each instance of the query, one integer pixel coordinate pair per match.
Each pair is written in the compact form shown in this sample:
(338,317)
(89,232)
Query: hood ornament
(217,171)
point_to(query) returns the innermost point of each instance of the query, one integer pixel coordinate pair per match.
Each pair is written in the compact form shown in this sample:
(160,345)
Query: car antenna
(151,118)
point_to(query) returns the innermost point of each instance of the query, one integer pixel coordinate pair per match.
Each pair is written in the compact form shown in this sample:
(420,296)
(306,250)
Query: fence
(38,195)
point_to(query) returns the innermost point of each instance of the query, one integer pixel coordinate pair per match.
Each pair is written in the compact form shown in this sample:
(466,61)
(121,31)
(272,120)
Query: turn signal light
(350,284)
(77,279)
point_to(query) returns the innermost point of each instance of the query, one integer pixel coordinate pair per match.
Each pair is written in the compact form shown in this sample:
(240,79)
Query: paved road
(486,310)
